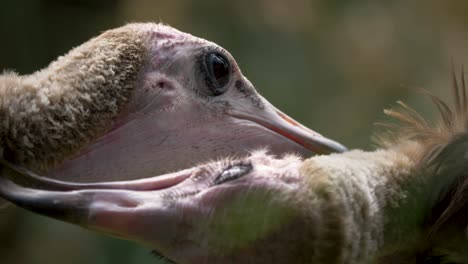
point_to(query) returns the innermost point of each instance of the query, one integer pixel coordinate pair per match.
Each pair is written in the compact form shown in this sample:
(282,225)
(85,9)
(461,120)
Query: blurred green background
(331,64)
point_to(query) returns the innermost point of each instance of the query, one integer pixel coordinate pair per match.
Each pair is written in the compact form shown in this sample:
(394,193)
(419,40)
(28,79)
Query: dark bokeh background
(331,64)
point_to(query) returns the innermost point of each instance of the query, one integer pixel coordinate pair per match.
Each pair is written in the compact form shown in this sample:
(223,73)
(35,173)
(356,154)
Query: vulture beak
(205,214)
(280,123)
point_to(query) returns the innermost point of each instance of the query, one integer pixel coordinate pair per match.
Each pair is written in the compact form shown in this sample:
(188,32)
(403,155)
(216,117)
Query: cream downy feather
(46,116)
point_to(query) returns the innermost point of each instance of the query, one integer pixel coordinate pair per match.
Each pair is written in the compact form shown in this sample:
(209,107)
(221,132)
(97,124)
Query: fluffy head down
(47,115)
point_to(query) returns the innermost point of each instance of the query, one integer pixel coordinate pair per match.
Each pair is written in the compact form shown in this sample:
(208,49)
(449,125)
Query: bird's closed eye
(233,172)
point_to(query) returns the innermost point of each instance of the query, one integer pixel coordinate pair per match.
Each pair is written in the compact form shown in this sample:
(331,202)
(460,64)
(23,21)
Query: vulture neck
(48,115)
(404,203)
(360,184)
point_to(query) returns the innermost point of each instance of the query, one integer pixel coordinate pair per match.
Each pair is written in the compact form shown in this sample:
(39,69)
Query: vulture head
(139,101)
(230,211)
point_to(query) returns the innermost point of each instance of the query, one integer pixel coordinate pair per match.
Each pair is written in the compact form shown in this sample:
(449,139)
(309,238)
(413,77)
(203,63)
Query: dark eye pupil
(219,71)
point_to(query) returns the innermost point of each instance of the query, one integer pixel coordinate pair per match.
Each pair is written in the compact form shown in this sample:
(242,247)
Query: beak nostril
(161,84)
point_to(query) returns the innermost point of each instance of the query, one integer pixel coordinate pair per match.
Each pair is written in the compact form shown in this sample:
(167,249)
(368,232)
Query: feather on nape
(441,149)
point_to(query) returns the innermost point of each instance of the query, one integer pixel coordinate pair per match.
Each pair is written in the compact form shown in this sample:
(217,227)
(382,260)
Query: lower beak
(112,207)
(275,120)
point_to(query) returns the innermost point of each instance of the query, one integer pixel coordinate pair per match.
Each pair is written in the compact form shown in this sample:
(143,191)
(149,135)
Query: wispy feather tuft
(442,149)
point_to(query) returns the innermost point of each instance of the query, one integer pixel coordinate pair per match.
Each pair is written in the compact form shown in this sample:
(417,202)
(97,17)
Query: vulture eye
(218,72)
(233,172)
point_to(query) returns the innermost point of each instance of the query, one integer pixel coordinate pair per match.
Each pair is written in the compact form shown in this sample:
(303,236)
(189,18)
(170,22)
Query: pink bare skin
(191,104)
